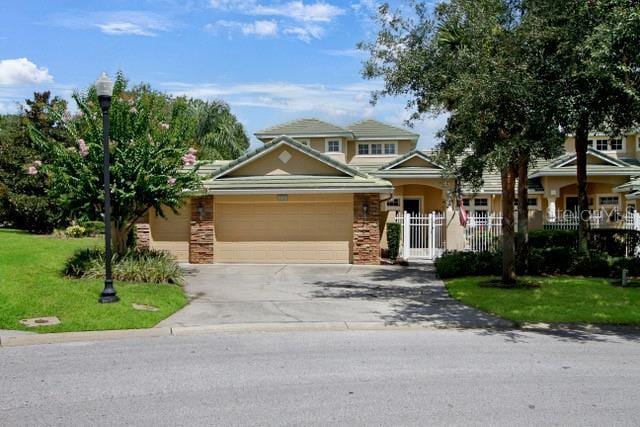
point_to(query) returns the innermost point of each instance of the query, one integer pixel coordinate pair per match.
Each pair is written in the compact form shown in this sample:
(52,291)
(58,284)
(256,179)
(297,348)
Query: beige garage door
(287,232)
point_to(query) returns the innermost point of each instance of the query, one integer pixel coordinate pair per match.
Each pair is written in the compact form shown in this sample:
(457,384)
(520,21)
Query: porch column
(202,233)
(366,228)
(551,209)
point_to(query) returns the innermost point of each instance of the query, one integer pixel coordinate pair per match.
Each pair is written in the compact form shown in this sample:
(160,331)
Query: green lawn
(556,300)
(32,285)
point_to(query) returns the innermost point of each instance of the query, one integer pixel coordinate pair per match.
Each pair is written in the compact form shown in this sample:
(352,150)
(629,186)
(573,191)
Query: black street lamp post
(104,87)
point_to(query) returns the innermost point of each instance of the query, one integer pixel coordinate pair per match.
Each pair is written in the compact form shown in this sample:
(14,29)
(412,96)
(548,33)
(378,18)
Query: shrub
(145,266)
(594,264)
(632,265)
(613,241)
(458,264)
(553,238)
(75,231)
(393,239)
(93,227)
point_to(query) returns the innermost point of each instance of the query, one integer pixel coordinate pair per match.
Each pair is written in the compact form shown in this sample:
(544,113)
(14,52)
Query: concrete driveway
(235,294)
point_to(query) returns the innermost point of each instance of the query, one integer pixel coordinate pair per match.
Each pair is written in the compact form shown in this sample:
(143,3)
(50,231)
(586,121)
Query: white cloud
(125,22)
(350,53)
(21,71)
(316,12)
(306,33)
(303,20)
(258,28)
(335,100)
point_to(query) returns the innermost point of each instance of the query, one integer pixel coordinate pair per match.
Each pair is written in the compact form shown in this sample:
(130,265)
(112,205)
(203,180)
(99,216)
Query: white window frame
(326,145)
(382,148)
(394,204)
(617,196)
(607,139)
(390,144)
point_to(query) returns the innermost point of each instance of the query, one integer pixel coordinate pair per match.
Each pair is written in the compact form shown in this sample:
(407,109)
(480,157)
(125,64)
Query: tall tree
(590,53)
(148,155)
(25,202)
(465,59)
(218,134)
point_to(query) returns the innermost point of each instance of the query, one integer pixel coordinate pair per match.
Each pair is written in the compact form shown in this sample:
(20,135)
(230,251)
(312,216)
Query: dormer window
(363,149)
(333,146)
(376,149)
(601,144)
(390,148)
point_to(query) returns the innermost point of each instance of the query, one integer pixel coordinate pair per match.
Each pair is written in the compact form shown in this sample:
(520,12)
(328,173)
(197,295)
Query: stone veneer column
(366,229)
(143,233)
(202,234)
(143,236)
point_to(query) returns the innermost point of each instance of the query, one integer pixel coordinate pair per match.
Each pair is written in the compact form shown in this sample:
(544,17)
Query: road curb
(67,337)
(70,337)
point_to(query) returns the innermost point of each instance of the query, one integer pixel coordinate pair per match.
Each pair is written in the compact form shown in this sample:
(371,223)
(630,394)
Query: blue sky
(271,60)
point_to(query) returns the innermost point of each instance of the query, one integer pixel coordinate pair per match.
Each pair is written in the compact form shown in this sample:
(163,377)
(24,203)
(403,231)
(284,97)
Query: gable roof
(277,142)
(373,129)
(304,127)
(408,156)
(563,166)
(394,169)
(352,181)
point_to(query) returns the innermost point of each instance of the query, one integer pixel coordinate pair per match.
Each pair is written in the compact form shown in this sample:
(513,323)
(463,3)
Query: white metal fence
(422,235)
(483,232)
(569,220)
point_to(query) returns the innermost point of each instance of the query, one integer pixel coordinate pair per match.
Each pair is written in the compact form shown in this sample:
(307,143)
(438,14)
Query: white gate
(422,235)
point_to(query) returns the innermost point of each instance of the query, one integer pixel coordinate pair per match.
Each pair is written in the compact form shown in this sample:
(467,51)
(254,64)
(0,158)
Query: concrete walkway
(241,294)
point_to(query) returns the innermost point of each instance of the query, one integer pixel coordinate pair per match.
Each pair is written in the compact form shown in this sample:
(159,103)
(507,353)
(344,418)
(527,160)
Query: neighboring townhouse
(315,192)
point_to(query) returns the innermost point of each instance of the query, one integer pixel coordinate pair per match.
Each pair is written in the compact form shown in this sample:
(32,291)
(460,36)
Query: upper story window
(377,149)
(333,146)
(481,202)
(606,144)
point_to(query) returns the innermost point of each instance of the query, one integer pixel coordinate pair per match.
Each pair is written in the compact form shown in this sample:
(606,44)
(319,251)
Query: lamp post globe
(104,89)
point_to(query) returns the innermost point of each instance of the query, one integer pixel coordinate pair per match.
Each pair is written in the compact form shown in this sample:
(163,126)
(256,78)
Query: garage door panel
(282,252)
(283,233)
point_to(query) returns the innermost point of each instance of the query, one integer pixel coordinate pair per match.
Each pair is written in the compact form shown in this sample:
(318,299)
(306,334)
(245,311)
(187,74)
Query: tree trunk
(120,236)
(582,137)
(522,243)
(508,241)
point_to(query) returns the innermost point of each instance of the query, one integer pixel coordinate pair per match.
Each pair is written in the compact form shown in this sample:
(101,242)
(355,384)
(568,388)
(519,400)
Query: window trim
(608,195)
(382,148)
(607,139)
(326,145)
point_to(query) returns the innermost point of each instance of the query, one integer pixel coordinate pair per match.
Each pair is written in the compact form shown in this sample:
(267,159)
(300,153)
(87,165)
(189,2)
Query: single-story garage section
(282,203)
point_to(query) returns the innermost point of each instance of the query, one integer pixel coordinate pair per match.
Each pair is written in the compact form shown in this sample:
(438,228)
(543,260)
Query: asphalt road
(434,377)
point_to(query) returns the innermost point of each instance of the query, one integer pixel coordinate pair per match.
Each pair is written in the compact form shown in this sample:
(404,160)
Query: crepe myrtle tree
(151,166)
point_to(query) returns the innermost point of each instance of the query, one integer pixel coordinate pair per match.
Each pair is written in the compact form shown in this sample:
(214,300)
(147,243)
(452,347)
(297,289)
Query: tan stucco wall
(431,197)
(171,234)
(631,146)
(299,164)
(304,229)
